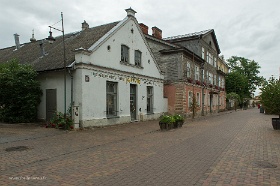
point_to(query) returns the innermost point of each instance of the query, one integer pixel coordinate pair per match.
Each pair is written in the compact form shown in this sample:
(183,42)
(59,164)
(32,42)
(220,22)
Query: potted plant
(166,122)
(270,100)
(179,120)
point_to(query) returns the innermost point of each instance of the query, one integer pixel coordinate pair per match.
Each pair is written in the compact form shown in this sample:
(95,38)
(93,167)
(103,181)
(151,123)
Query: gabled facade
(112,76)
(190,65)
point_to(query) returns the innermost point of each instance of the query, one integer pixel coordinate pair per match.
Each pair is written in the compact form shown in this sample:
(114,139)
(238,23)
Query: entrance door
(133,102)
(50,103)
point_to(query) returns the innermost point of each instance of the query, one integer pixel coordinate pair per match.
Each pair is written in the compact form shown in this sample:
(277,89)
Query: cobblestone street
(229,148)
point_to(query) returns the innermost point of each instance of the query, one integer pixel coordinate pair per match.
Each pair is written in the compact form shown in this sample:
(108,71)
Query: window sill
(112,117)
(150,113)
(131,65)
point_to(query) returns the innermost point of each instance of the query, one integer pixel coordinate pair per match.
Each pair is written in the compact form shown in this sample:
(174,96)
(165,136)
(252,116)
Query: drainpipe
(70,70)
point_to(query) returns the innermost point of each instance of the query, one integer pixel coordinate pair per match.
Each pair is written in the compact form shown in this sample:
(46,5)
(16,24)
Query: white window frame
(190,99)
(138,58)
(198,98)
(202,53)
(124,54)
(150,99)
(111,105)
(196,72)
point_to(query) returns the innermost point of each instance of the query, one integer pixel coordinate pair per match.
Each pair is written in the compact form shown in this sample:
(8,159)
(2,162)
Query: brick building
(192,67)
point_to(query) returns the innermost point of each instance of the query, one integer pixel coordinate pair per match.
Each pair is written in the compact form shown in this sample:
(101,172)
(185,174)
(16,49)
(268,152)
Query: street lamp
(51,39)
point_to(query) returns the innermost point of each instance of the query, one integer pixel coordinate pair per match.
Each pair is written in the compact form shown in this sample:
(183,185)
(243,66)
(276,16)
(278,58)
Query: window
(219,82)
(198,98)
(137,57)
(210,58)
(188,70)
(215,62)
(190,98)
(202,53)
(111,99)
(149,99)
(210,78)
(215,79)
(196,73)
(207,57)
(124,54)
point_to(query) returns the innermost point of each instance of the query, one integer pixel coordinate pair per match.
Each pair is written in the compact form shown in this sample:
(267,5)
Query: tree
(249,69)
(19,92)
(270,97)
(235,97)
(237,83)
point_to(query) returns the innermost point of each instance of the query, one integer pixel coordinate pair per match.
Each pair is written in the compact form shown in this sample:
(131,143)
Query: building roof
(194,36)
(31,53)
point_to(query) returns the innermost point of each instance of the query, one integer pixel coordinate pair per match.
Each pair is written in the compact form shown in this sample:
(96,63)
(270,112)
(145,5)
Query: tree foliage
(19,92)
(235,97)
(247,68)
(237,83)
(270,97)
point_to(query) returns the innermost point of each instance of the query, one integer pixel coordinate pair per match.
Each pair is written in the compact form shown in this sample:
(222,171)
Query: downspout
(70,70)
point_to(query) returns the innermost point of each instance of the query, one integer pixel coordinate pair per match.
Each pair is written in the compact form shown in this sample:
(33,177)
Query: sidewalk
(231,148)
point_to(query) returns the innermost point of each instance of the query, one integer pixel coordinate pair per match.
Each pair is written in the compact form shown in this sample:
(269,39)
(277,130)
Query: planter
(180,123)
(163,126)
(166,126)
(276,123)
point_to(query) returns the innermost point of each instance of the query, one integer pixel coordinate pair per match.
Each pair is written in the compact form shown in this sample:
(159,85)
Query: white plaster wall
(91,98)
(111,58)
(54,80)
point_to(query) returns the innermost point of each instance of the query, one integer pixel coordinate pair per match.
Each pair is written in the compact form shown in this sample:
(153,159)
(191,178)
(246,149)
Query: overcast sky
(246,28)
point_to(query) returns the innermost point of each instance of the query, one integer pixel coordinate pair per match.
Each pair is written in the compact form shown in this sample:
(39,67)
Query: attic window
(108,48)
(132,30)
(124,54)
(210,43)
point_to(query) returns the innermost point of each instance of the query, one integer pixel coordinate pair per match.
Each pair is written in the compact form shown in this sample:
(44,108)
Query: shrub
(20,92)
(178,117)
(167,119)
(58,121)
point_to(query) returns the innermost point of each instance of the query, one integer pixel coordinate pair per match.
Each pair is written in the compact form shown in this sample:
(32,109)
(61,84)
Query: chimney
(144,28)
(43,53)
(32,39)
(157,33)
(130,12)
(17,41)
(85,25)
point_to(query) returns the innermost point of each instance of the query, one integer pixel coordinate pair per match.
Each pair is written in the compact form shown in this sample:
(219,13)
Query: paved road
(232,148)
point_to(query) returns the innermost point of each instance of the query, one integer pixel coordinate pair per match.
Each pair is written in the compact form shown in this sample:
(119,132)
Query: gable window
(149,99)
(202,53)
(137,56)
(124,54)
(111,98)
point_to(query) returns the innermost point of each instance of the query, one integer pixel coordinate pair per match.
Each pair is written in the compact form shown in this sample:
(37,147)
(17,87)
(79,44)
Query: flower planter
(276,123)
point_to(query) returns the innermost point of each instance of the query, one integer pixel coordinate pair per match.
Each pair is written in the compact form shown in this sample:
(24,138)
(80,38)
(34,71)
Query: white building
(112,76)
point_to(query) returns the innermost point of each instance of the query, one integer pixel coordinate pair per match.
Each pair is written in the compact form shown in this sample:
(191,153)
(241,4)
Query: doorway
(51,104)
(133,102)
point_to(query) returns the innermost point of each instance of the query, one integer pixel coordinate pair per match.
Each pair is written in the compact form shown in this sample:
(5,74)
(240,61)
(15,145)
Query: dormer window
(124,54)
(137,56)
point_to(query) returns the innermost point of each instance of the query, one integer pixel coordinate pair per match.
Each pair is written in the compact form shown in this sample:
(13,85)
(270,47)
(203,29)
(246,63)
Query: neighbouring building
(112,76)
(192,67)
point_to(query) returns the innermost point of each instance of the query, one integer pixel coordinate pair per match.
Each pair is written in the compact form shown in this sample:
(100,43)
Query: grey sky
(247,28)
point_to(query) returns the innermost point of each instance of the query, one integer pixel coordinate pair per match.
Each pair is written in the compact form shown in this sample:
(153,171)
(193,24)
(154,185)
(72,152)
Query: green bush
(178,117)
(20,92)
(58,121)
(167,119)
